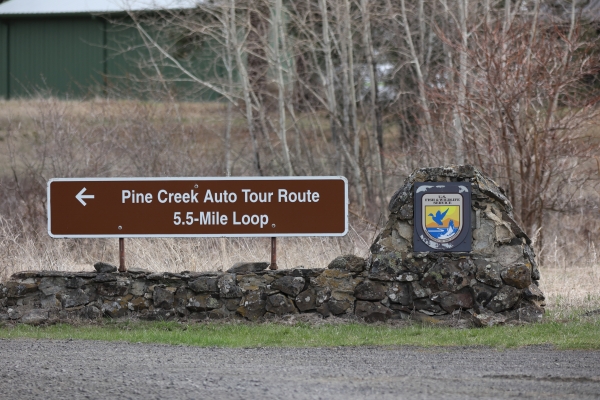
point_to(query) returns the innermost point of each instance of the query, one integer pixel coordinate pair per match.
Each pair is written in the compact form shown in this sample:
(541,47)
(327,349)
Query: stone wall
(495,283)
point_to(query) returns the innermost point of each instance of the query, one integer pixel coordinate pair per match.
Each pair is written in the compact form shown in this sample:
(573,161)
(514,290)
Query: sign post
(197,207)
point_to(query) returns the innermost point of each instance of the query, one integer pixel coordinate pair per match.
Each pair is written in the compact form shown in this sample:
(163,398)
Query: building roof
(27,7)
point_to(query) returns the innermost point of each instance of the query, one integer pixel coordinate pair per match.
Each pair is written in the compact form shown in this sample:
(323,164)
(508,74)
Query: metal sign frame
(84,196)
(449,194)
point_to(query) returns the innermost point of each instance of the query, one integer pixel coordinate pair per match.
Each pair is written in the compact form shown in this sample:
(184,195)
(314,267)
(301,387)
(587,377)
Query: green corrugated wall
(63,56)
(3,60)
(78,56)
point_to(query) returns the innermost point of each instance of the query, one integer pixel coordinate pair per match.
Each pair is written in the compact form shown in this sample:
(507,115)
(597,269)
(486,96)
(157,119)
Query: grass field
(575,334)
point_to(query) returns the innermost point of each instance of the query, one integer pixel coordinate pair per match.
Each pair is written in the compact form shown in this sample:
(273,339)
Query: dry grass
(572,291)
(570,279)
(174,255)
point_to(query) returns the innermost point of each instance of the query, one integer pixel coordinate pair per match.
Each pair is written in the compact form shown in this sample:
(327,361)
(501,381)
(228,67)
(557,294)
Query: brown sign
(197,207)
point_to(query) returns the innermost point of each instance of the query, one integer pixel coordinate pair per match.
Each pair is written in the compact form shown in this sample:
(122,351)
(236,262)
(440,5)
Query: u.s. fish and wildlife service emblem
(442,216)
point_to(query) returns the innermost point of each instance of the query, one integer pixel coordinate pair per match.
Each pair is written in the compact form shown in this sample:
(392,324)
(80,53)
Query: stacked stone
(246,291)
(498,281)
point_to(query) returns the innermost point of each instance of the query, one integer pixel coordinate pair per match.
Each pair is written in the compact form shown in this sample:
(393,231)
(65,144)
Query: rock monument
(497,281)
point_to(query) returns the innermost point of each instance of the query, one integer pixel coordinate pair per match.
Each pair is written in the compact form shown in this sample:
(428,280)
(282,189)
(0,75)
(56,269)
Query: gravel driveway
(56,369)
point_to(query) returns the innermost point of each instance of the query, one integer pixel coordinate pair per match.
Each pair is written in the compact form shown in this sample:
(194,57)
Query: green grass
(562,335)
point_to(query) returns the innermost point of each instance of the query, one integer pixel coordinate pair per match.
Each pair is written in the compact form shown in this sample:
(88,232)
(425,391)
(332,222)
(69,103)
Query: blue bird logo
(438,218)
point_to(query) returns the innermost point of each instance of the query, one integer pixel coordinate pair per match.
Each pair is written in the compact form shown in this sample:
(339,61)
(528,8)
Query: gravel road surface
(56,369)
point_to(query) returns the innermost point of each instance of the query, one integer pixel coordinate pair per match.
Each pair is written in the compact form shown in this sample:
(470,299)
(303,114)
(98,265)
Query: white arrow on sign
(80,196)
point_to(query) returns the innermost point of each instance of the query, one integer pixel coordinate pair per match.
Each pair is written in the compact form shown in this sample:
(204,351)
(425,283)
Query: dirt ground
(101,370)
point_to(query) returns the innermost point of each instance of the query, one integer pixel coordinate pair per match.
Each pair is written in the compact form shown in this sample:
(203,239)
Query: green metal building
(70,48)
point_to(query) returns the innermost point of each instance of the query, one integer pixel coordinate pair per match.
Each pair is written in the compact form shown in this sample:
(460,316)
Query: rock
(14,314)
(385,266)
(337,307)
(323,295)
(372,312)
(246,267)
(280,304)
(504,233)
(204,284)
(407,277)
(517,275)
(75,283)
(290,285)
(533,292)
(509,255)
(336,280)
(530,262)
(182,295)
(306,273)
(218,313)
(75,298)
(489,319)
(483,293)
(50,286)
(306,300)
(406,212)
(91,312)
(428,307)
(419,291)
(323,310)
(112,289)
(399,293)
(113,309)
(24,275)
(454,301)
(253,306)
(369,290)
(484,238)
(227,287)
(138,304)
(348,262)
(163,298)
(488,272)
(35,317)
(340,303)
(138,288)
(203,302)
(449,275)
(105,278)
(397,241)
(104,268)
(232,304)
(416,265)
(506,297)
(20,289)
(155,276)
(403,196)
(530,314)
(50,302)
(253,282)
(139,271)
(515,227)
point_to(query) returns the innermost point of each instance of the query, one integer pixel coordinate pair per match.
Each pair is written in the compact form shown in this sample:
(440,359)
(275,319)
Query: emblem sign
(442,216)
